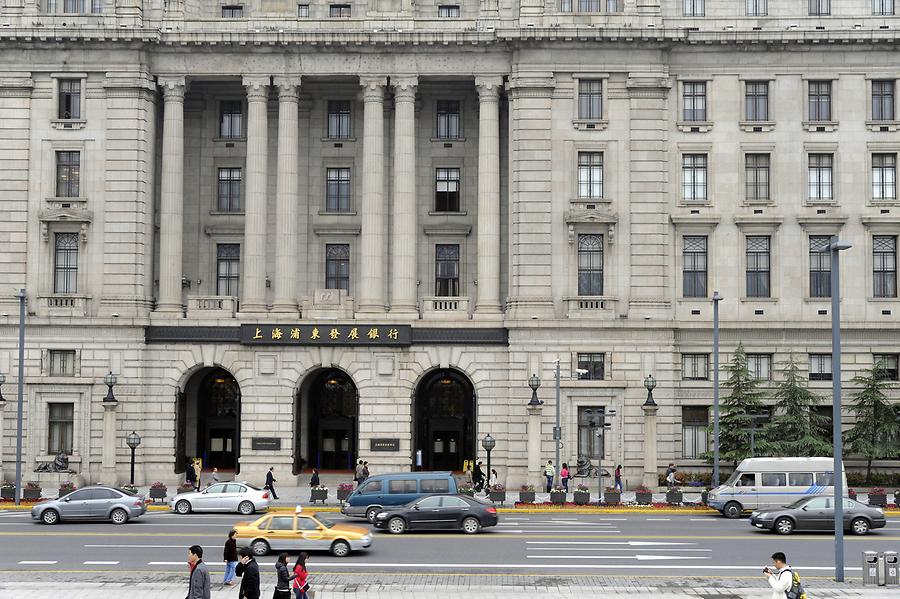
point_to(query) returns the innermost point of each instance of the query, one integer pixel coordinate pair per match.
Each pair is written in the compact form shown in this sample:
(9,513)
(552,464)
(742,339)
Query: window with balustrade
(68,174)
(69,99)
(229,190)
(338,118)
(65,263)
(884,176)
(884,265)
(590,265)
(694,100)
(590,175)
(447,124)
(820,177)
(819,266)
(337,266)
(819,100)
(759,266)
(446,190)
(337,190)
(756,100)
(883,100)
(446,270)
(756,175)
(694,269)
(228,269)
(693,177)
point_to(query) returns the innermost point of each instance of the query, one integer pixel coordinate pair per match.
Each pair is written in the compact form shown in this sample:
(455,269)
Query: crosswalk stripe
(37,563)
(101,563)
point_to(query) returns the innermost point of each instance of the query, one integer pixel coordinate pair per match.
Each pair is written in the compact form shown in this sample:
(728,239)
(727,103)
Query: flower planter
(498,496)
(318,495)
(526,496)
(343,494)
(158,494)
(31,493)
(674,497)
(644,497)
(879,500)
(63,491)
(612,498)
(582,498)
(704,497)
(557,497)
(469,492)
(8,493)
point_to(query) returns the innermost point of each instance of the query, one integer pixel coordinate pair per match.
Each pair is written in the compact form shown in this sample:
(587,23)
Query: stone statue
(59,464)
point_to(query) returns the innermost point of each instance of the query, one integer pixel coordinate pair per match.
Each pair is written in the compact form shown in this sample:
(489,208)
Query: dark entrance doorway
(326,431)
(444,412)
(209,420)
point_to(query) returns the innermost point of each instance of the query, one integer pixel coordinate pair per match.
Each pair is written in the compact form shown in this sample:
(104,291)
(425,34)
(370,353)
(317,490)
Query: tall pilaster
(650,479)
(403,254)
(488,300)
(372,240)
(171,211)
(253,251)
(287,207)
(108,456)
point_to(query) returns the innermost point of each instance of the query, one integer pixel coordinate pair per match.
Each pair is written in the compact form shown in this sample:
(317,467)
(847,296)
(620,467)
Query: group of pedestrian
(361,473)
(565,475)
(671,480)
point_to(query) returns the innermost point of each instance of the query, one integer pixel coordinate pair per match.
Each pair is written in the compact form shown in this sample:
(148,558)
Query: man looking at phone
(780,577)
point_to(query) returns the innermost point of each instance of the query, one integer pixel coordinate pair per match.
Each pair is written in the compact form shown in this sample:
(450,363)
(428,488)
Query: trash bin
(891,568)
(870,567)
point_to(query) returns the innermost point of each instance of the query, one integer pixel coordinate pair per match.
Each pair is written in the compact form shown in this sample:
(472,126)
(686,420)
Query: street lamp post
(716,299)
(598,425)
(557,430)
(109,380)
(488,443)
(650,442)
(21,398)
(650,385)
(133,440)
(755,416)
(535,383)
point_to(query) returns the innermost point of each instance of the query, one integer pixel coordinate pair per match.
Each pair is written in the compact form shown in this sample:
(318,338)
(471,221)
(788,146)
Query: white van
(774,482)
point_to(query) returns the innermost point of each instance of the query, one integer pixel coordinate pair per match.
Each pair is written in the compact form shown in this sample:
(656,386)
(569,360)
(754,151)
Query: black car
(439,512)
(817,513)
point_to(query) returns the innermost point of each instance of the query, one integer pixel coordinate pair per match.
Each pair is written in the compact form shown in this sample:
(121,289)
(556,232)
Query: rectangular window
(62,362)
(884,265)
(229,190)
(884,176)
(820,177)
(590,175)
(447,123)
(819,266)
(230,119)
(590,445)
(446,270)
(594,365)
(228,269)
(887,366)
(758,266)
(590,265)
(883,100)
(73,7)
(695,261)
(693,171)
(96,6)
(820,100)
(774,479)
(800,479)
(694,8)
(694,431)
(68,174)
(337,266)
(69,99)
(590,99)
(233,12)
(820,367)
(882,8)
(757,8)
(565,5)
(756,169)
(615,5)
(303,11)
(448,11)
(402,486)
(61,426)
(339,119)
(65,263)
(337,190)
(435,485)
(694,367)
(446,190)
(695,100)
(760,366)
(819,8)
(757,100)
(339,11)
(588,5)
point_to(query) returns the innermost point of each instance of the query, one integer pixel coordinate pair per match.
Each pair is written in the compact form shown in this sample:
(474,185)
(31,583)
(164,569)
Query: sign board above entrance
(384,445)
(326,334)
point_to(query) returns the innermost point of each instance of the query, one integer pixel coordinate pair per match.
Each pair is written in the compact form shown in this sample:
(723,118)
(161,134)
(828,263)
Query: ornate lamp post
(110,403)
(535,383)
(533,429)
(133,440)
(488,443)
(650,408)
(109,380)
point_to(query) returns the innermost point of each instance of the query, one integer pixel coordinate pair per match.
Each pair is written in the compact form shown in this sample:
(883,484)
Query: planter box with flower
(65,488)
(319,493)
(643,495)
(557,495)
(32,490)
(612,496)
(582,495)
(158,490)
(497,493)
(526,494)
(130,489)
(343,491)
(466,490)
(7,491)
(878,497)
(185,488)
(674,497)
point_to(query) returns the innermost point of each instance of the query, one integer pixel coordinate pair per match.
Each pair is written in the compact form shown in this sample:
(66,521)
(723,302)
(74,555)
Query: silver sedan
(92,503)
(222,497)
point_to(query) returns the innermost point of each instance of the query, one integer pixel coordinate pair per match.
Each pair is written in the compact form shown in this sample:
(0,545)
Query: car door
(453,510)
(817,514)
(74,506)
(210,500)
(281,533)
(232,497)
(425,514)
(746,490)
(100,503)
(310,535)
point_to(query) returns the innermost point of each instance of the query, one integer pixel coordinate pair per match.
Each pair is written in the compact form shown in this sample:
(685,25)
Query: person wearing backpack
(785,582)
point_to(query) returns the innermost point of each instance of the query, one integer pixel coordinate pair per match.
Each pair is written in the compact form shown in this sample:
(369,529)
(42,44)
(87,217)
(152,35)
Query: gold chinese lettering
(353,334)
(258,334)
(334,334)
(276,333)
(373,333)
(315,333)
(295,333)
(393,334)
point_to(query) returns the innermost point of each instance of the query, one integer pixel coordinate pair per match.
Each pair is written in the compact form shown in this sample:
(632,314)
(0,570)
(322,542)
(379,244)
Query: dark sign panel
(326,334)
(384,445)
(266,443)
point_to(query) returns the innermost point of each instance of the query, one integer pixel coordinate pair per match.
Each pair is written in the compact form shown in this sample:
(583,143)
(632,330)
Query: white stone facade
(147,302)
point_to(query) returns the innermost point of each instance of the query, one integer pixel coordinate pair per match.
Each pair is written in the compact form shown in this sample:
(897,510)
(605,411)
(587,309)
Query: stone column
(372,205)
(404,229)
(171,196)
(488,300)
(533,432)
(286,253)
(650,479)
(253,251)
(108,474)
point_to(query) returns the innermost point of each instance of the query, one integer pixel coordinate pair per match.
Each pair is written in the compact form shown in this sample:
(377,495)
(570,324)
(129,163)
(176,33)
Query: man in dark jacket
(199,583)
(248,570)
(270,482)
(478,477)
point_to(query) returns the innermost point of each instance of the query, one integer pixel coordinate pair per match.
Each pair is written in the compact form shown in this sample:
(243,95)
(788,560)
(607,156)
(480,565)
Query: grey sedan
(94,503)
(817,513)
(222,497)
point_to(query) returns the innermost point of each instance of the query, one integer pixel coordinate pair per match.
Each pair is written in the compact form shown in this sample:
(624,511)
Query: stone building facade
(299,234)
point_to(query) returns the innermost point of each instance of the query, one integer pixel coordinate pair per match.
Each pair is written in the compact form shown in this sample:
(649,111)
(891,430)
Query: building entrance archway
(326,417)
(444,413)
(208,421)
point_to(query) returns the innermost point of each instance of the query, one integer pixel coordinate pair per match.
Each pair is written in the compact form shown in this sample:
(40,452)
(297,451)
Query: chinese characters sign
(326,334)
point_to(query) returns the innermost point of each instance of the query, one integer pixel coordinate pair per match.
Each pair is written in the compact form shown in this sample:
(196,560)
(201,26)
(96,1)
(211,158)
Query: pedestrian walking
(365,470)
(215,475)
(190,476)
(248,570)
(301,582)
(198,583)
(198,474)
(358,473)
(670,476)
(549,472)
(230,556)
(284,578)
(467,477)
(314,479)
(783,587)
(564,477)
(618,478)
(478,477)
(270,482)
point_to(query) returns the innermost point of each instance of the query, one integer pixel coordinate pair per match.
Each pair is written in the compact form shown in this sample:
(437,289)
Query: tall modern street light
(133,440)
(557,430)
(488,443)
(21,398)
(716,299)
(835,248)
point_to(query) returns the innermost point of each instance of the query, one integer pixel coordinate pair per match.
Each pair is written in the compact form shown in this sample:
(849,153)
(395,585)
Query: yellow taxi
(300,532)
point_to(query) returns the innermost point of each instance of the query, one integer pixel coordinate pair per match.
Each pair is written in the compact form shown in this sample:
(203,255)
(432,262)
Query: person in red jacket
(301,582)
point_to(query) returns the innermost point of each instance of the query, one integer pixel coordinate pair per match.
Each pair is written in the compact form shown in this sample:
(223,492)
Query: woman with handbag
(283,585)
(301,580)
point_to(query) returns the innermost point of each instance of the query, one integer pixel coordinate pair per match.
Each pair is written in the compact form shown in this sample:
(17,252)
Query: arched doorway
(444,412)
(209,420)
(326,432)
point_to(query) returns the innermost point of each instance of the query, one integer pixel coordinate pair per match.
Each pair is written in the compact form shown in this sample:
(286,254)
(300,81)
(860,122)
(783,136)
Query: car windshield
(733,478)
(127,492)
(325,522)
(799,503)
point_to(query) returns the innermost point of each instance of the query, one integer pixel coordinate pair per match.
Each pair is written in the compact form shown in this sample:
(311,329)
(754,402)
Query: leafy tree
(876,433)
(797,429)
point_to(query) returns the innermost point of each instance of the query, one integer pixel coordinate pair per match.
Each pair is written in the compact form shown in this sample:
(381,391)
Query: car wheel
(119,516)
(371,513)
(471,525)
(340,549)
(732,510)
(259,547)
(397,525)
(246,508)
(50,517)
(784,526)
(183,507)
(860,526)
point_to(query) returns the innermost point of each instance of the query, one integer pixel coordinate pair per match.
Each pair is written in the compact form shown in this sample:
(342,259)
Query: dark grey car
(93,503)
(817,513)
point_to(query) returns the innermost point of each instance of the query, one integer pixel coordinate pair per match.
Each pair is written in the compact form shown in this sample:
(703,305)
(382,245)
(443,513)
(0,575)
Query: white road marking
(700,519)
(37,563)
(138,546)
(617,549)
(531,566)
(101,563)
(658,519)
(639,558)
(630,543)
(556,530)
